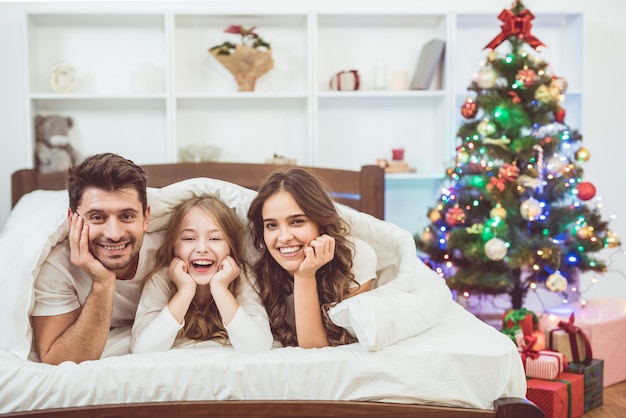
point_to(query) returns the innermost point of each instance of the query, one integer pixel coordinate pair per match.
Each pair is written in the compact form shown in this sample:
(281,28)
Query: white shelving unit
(292,112)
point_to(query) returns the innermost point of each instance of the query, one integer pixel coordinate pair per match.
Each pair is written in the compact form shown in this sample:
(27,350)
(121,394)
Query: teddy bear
(53,149)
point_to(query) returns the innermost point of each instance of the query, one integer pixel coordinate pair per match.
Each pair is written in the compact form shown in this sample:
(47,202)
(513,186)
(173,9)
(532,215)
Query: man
(91,281)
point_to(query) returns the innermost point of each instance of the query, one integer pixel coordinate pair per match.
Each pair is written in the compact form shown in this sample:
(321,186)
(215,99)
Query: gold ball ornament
(530,209)
(498,212)
(611,240)
(543,94)
(428,236)
(582,154)
(584,232)
(486,78)
(462,156)
(434,215)
(486,128)
(495,249)
(556,282)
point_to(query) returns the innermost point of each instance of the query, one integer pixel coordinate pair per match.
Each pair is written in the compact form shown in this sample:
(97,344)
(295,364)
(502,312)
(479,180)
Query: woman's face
(287,230)
(201,245)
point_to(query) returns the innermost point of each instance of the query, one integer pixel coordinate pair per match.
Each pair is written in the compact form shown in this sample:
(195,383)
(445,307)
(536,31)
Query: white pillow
(394,311)
(410,297)
(35,225)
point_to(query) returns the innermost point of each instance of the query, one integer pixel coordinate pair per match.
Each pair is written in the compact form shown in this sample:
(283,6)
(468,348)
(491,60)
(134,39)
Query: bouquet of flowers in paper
(248,60)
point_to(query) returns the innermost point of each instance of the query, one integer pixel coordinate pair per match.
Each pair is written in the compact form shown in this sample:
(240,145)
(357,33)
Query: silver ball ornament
(495,249)
(530,209)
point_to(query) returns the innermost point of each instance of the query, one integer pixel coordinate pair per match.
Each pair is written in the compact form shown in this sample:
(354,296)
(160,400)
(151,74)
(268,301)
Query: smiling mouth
(114,247)
(289,250)
(202,263)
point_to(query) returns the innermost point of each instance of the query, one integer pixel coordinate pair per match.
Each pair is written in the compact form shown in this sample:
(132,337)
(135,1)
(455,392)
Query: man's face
(116,226)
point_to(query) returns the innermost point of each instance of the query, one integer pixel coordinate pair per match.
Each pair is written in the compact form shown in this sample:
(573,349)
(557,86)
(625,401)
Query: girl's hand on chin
(179,274)
(228,271)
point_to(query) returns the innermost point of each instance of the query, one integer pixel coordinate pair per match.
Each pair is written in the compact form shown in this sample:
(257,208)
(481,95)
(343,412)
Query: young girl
(308,261)
(197,291)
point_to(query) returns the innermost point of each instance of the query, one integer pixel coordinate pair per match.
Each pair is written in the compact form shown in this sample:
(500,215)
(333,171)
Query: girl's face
(201,245)
(287,230)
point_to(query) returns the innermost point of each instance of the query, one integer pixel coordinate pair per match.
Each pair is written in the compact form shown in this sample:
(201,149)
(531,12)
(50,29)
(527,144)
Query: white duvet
(415,344)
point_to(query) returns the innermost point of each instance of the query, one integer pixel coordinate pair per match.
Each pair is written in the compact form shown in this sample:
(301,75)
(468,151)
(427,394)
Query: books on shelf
(430,59)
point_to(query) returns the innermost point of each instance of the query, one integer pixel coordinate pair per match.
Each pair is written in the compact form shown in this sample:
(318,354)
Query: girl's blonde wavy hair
(205,322)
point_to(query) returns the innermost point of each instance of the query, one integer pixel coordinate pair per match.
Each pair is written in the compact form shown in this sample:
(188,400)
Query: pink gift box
(603,320)
(546,365)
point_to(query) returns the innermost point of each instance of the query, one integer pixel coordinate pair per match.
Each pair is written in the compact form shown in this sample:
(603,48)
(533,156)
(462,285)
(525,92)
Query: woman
(308,261)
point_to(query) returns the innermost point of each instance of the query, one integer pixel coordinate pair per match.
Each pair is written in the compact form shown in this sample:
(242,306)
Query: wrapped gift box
(604,322)
(593,374)
(570,340)
(545,364)
(560,398)
(515,319)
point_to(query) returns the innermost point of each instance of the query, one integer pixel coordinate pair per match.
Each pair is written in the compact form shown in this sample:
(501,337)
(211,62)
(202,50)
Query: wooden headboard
(363,190)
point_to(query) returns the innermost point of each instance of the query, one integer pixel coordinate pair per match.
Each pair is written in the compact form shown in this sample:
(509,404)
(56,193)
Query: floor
(614,403)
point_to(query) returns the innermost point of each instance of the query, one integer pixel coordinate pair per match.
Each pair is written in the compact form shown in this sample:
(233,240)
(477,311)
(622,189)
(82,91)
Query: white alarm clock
(63,78)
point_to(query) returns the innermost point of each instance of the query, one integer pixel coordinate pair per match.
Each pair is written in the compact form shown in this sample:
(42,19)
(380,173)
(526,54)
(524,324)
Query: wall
(602,110)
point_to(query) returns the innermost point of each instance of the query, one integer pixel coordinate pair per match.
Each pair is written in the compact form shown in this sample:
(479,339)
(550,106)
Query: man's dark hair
(109,172)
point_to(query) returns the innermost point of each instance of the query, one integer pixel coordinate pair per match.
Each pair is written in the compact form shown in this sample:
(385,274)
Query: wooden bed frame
(362,190)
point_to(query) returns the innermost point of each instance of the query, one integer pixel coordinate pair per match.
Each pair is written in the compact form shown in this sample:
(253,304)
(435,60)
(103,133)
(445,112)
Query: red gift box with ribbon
(514,320)
(541,364)
(570,340)
(559,398)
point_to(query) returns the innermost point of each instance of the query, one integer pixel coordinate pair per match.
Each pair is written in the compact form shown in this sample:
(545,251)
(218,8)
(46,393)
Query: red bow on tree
(516,25)
(496,182)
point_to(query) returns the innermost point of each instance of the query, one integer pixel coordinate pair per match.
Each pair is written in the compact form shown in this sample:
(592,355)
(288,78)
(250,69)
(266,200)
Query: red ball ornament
(469,109)
(586,190)
(527,77)
(455,216)
(559,115)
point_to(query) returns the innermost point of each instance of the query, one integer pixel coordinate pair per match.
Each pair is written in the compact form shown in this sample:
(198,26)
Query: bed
(419,352)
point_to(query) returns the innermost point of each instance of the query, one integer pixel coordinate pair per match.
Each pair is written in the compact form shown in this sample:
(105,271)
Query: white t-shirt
(62,287)
(155,327)
(363,266)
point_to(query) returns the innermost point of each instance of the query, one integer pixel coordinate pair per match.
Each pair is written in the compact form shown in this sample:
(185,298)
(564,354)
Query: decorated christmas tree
(515,212)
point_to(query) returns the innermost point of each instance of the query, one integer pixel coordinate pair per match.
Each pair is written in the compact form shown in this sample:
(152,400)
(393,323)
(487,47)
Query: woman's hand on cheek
(319,252)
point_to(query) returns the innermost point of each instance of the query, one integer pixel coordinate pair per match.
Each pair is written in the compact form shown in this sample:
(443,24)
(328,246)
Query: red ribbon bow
(498,182)
(516,25)
(568,326)
(526,348)
(573,330)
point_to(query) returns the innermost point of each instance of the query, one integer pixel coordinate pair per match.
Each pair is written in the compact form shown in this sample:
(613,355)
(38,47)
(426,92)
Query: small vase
(246,64)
